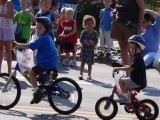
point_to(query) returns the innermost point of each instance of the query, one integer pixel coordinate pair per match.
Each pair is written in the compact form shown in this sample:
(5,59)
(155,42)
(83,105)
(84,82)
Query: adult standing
(127,21)
(6,31)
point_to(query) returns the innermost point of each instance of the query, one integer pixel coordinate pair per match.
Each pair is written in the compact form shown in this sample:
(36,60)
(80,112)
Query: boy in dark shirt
(137,69)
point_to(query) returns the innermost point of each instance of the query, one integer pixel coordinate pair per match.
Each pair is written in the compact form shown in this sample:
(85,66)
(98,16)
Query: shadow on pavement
(151,91)
(40,116)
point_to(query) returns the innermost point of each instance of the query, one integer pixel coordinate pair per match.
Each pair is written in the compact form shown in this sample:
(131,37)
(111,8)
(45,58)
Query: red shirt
(68,27)
(59,29)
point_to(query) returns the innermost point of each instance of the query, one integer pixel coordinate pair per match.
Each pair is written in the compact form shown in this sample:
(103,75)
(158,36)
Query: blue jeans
(149,58)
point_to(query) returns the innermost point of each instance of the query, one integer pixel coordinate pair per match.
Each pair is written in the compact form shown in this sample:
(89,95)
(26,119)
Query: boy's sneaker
(124,100)
(73,63)
(37,96)
(100,55)
(65,62)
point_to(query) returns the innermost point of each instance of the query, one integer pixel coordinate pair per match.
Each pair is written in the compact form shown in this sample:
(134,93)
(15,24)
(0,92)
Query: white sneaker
(73,63)
(124,100)
(65,62)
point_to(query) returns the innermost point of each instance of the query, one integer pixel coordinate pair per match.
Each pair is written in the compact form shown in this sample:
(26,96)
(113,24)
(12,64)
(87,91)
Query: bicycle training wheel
(105,109)
(66,96)
(148,110)
(10,95)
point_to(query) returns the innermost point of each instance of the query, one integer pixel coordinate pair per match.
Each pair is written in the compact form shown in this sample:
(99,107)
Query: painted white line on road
(99,84)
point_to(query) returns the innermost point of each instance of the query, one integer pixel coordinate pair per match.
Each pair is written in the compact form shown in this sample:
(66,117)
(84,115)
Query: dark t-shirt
(138,74)
(127,10)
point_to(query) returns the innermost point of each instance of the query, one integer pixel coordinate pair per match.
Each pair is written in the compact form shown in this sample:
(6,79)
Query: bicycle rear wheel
(10,95)
(66,96)
(148,110)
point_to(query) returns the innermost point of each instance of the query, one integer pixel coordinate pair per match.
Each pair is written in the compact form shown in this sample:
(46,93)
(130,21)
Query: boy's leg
(38,94)
(125,84)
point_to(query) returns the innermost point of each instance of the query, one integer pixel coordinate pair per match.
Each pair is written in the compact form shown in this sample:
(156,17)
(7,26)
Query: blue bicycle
(64,94)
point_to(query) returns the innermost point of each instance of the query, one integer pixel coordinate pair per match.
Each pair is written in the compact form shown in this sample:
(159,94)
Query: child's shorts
(38,70)
(130,84)
(69,47)
(7,34)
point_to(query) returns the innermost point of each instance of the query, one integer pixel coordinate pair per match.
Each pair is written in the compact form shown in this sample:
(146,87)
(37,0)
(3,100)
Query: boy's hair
(87,18)
(63,10)
(41,1)
(69,10)
(148,17)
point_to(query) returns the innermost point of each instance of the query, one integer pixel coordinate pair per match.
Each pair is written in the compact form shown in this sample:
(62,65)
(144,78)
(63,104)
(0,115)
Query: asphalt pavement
(100,85)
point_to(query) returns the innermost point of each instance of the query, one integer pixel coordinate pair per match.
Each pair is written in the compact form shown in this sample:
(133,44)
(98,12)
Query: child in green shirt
(22,17)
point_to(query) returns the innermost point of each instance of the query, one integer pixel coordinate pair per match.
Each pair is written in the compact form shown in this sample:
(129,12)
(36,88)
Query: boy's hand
(23,22)
(14,43)
(116,69)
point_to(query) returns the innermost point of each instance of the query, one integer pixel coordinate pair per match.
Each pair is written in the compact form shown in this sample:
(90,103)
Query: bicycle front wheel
(9,91)
(106,109)
(66,96)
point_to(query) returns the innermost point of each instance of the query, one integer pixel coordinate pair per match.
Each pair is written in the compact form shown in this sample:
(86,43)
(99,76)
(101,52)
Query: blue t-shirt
(46,57)
(151,35)
(105,19)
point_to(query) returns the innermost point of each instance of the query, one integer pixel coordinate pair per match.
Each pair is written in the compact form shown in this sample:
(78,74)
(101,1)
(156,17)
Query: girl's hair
(87,18)
(63,10)
(69,10)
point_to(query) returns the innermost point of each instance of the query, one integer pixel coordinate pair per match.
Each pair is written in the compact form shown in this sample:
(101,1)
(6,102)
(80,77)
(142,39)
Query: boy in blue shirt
(105,28)
(46,57)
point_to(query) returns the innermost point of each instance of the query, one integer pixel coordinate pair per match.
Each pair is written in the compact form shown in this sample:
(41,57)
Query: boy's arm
(30,14)
(124,68)
(21,45)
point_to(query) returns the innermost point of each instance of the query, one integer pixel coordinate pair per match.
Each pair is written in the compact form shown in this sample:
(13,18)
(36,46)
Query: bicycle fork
(9,83)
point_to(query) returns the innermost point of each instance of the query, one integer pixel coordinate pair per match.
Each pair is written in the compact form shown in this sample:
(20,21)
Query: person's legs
(89,71)
(102,40)
(108,40)
(149,58)
(1,53)
(38,94)
(81,70)
(33,79)
(124,46)
(126,84)
(8,54)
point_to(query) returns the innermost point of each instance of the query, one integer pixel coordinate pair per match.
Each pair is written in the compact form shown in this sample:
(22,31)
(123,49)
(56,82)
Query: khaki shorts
(130,84)
(120,31)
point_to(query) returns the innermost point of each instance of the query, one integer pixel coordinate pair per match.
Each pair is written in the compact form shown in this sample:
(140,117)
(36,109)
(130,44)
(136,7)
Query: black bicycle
(64,94)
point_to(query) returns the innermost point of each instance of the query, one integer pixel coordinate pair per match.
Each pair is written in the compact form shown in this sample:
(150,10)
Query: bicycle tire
(71,88)
(150,115)
(16,92)
(101,104)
